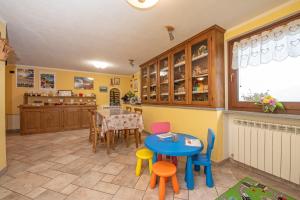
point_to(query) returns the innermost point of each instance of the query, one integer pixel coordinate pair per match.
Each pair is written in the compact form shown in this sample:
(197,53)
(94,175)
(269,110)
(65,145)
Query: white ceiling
(68,33)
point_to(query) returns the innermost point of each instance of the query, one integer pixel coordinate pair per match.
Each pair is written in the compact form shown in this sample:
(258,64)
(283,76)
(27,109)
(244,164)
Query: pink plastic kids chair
(162,127)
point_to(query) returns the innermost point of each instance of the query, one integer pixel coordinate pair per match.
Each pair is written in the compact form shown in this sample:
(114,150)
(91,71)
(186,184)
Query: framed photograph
(135,85)
(25,77)
(103,89)
(115,81)
(47,81)
(83,83)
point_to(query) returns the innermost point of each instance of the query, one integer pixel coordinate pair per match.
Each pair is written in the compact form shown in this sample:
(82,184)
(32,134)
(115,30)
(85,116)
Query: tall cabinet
(191,73)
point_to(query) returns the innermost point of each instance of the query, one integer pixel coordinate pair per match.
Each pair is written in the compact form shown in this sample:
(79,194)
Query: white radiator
(273,148)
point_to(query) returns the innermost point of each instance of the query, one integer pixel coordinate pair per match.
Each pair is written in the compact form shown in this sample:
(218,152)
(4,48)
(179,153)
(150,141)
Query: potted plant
(126,98)
(269,104)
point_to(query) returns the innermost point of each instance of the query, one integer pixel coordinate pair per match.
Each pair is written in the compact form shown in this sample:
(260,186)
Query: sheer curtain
(276,44)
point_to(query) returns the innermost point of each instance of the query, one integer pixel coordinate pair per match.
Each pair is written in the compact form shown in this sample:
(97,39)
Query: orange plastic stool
(164,169)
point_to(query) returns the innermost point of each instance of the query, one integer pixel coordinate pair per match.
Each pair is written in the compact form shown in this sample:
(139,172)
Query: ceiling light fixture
(142,4)
(170,30)
(100,64)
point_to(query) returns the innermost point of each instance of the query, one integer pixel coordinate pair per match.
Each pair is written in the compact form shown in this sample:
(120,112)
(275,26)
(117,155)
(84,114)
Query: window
(253,71)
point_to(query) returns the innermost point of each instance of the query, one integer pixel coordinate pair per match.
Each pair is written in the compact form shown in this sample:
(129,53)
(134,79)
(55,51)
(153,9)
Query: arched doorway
(114,97)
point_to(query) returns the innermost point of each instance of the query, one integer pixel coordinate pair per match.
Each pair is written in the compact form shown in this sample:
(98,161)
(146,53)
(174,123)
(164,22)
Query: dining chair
(205,159)
(128,108)
(162,127)
(94,130)
(139,111)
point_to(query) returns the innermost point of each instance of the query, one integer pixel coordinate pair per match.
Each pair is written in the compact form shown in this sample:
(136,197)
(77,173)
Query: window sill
(260,114)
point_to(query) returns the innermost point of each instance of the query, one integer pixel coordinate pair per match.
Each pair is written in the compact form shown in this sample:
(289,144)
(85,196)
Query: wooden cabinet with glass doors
(199,65)
(179,76)
(191,74)
(164,79)
(144,84)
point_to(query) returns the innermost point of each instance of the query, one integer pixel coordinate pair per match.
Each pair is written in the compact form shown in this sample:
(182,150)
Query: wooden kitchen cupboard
(44,119)
(195,72)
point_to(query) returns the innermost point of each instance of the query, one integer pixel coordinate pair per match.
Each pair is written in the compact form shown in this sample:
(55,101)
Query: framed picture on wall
(103,89)
(25,77)
(83,83)
(115,81)
(47,81)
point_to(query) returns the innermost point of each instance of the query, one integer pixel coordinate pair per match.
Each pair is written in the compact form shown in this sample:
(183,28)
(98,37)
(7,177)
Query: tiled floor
(60,166)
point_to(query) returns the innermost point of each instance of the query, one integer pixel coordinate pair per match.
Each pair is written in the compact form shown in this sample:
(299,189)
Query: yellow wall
(64,81)
(2,107)
(268,17)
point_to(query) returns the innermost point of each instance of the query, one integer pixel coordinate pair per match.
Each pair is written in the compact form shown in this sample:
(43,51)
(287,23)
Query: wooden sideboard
(44,119)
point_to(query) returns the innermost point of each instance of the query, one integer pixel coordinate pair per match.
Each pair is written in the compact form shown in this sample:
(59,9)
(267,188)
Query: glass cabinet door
(199,70)
(179,77)
(145,77)
(164,93)
(153,81)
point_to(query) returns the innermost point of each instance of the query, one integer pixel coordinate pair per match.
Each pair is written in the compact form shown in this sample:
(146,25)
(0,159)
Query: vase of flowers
(270,104)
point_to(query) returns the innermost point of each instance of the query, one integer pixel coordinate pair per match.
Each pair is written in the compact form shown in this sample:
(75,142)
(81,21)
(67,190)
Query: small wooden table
(116,119)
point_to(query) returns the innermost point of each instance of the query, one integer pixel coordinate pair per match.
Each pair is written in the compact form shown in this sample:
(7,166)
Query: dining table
(113,120)
(170,147)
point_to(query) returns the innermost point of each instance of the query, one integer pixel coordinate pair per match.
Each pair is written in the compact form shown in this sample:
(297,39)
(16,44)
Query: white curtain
(276,44)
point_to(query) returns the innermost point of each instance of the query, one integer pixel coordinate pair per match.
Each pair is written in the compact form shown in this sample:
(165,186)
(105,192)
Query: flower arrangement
(269,104)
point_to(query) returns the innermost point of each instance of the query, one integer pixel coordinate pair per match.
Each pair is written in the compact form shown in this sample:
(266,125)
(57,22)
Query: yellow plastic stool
(143,154)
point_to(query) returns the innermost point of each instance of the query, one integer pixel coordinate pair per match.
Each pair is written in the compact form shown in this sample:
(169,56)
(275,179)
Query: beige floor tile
(69,189)
(66,159)
(50,195)
(50,173)
(125,193)
(4,192)
(203,193)
(15,196)
(4,179)
(221,190)
(113,168)
(88,194)
(143,182)
(89,179)
(15,167)
(36,192)
(78,167)
(31,152)
(183,194)
(154,194)
(26,182)
(108,178)
(40,167)
(127,177)
(60,182)
(107,187)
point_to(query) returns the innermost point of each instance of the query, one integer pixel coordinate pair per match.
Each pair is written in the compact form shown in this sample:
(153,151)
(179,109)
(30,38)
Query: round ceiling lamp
(142,4)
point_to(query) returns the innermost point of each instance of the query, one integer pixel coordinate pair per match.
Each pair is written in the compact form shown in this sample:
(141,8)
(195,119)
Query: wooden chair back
(138,110)
(128,108)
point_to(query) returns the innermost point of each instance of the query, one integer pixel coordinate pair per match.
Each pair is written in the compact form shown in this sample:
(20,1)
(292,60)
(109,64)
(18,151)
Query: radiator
(272,148)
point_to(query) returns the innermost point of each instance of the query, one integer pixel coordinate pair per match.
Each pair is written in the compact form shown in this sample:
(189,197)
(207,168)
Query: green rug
(248,189)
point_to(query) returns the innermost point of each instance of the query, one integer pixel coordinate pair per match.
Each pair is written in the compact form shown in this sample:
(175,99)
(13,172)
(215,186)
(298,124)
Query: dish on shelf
(179,64)
(200,75)
(179,93)
(179,80)
(164,94)
(197,57)
(163,83)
